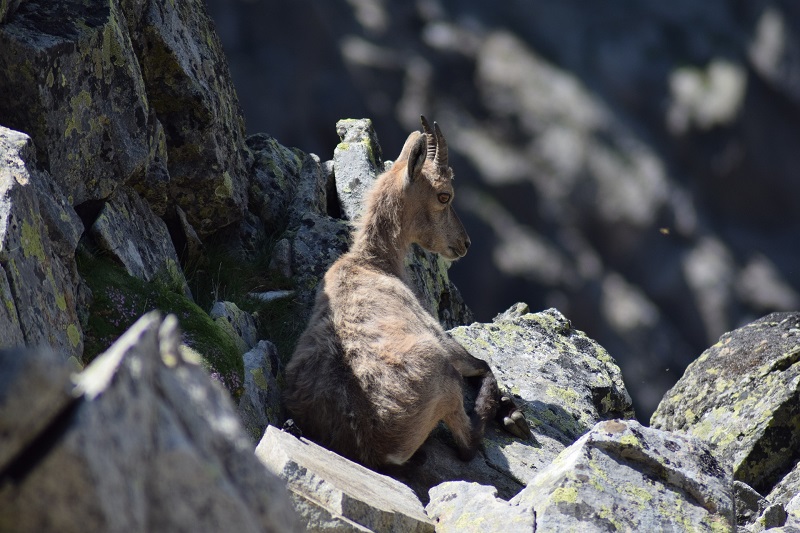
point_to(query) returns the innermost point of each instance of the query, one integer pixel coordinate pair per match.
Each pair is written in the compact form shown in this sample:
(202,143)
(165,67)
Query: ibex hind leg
(467,432)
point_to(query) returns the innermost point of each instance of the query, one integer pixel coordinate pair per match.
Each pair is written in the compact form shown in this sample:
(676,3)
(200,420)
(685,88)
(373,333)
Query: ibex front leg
(490,403)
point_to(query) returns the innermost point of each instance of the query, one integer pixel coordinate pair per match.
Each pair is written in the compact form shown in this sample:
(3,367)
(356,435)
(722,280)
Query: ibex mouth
(456,253)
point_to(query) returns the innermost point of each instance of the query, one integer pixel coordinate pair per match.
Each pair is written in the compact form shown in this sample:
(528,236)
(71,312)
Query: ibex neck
(380,240)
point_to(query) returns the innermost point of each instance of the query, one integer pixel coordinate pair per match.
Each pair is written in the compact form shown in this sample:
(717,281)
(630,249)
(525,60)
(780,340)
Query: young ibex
(374,372)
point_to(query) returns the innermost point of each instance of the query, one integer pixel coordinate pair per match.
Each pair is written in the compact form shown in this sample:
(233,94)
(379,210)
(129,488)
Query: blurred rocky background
(631,163)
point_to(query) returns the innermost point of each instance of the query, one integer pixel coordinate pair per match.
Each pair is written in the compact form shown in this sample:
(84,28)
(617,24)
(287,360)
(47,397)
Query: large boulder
(743,396)
(188,85)
(39,232)
(149,444)
(622,476)
(78,91)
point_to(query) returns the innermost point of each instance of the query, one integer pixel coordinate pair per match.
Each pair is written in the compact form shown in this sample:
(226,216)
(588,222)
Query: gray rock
(189,87)
(261,404)
(622,476)
(10,329)
(357,161)
(78,92)
(38,234)
(154,183)
(281,260)
(318,242)
(461,507)
(749,504)
(741,395)
(310,193)
(240,325)
(787,487)
(428,274)
(34,392)
(274,177)
(153,445)
(194,246)
(133,235)
(793,514)
(774,516)
(332,493)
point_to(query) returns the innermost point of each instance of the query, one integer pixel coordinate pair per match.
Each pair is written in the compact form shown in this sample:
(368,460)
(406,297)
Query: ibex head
(428,185)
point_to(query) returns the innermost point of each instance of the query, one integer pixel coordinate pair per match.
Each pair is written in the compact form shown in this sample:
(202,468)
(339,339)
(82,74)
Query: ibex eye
(444,197)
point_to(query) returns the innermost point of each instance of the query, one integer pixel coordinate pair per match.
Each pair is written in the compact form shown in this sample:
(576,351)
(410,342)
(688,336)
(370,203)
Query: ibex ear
(416,158)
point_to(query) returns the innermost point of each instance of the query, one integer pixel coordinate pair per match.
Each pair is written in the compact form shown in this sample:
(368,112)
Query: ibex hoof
(513,420)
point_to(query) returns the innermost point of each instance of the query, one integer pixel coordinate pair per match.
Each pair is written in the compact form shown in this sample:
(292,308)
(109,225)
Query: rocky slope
(632,165)
(128,185)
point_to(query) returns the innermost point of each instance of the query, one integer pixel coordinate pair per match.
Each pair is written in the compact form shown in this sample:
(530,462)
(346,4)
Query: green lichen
(565,495)
(567,397)
(74,335)
(31,242)
(79,104)
(225,189)
(10,307)
(630,440)
(259,379)
(61,302)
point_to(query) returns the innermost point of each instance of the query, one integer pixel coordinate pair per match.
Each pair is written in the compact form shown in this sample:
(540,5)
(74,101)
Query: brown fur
(374,372)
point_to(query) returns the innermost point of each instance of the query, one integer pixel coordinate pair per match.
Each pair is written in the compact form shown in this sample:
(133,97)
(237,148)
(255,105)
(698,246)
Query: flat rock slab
(622,476)
(331,492)
(743,396)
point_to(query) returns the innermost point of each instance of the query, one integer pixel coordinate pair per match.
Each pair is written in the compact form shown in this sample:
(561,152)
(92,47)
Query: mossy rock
(78,92)
(743,396)
(622,476)
(120,299)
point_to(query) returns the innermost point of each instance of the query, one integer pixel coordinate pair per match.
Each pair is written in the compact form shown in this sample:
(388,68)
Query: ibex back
(374,372)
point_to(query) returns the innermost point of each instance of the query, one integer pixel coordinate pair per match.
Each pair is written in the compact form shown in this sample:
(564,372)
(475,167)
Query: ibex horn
(426,129)
(441,147)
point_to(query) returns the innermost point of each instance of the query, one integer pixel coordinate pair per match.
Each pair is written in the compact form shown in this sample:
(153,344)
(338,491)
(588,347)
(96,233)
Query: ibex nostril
(467,243)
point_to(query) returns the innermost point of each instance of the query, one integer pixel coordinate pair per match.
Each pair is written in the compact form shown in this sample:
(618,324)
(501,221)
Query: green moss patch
(120,299)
